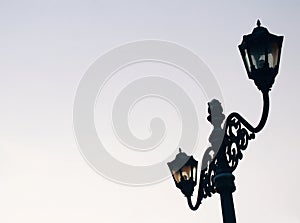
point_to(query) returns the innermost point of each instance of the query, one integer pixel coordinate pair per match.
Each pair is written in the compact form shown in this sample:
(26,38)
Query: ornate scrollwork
(238,132)
(209,161)
(206,183)
(235,141)
(208,173)
(227,146)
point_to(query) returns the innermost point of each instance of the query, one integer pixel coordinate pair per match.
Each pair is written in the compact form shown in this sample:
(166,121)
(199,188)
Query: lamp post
(260,52)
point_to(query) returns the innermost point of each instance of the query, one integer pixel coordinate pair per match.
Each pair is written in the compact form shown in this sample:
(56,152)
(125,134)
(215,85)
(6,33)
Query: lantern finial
(258,23)
(180,151)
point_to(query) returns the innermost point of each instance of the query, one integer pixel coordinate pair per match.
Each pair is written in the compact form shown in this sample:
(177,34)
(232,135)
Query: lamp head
(260,52)
(184,172)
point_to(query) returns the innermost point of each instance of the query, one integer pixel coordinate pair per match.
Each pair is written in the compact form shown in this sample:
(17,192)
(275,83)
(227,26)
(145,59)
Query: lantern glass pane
(176,175)
(247,61)
(186,172)
(258,56)
(273,52)
(194,174)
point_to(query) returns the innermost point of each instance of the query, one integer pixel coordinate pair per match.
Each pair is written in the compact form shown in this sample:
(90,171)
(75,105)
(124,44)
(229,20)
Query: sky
(49,47)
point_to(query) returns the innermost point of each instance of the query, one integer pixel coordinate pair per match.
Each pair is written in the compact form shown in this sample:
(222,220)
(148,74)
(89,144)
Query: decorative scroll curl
(206,183)
(238,132)
(232,140)
(209,161)
(235,141)
(227,145)
(208,173)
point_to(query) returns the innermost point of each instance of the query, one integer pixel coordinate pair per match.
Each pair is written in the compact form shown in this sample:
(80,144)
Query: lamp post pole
(224,179)
(260,52)
(225,187)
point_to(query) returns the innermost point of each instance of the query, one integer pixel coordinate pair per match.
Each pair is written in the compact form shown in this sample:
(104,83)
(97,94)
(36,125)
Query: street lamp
(260,52)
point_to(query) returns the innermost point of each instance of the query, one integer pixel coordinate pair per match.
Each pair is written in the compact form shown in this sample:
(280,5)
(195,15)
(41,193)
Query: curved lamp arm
(201,192)
(263,120)
(196,206)
(206,185)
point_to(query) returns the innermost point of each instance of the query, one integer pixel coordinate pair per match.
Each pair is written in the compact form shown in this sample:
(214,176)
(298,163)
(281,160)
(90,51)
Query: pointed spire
(258,23)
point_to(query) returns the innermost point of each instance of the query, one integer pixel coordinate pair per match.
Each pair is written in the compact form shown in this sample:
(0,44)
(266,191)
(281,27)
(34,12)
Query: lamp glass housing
(184,172)
(260,52)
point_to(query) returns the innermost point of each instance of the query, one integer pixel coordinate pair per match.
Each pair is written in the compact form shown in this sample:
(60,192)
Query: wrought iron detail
(236,141)
(227,146)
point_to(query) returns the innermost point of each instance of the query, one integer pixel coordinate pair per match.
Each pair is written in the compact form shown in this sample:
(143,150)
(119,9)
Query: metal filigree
(208,173)
(238,132)
(227,146)
(210,162)
(236,141)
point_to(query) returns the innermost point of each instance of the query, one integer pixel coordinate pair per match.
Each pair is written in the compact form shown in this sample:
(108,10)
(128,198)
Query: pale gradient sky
(45,49)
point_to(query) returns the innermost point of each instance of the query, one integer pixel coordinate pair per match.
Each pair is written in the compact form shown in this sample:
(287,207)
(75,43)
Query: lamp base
(264,78)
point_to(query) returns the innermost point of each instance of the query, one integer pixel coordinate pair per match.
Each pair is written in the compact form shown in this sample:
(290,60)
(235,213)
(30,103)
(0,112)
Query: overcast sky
(46,47)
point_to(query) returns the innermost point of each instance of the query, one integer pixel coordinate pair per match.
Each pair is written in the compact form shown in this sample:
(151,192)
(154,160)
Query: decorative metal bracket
(227,146)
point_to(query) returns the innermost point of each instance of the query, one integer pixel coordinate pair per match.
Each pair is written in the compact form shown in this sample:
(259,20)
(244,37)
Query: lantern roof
(181,160)
(259,29)
(260,34)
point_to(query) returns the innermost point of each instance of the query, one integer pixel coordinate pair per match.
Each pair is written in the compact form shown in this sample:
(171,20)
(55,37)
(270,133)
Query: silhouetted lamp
(184,172)
(261,51)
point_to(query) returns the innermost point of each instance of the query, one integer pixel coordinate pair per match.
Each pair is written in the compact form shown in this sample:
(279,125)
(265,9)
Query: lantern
(260,52)
(184,172)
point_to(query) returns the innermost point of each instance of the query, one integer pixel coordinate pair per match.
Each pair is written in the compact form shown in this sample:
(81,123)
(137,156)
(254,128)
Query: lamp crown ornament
(258,23)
